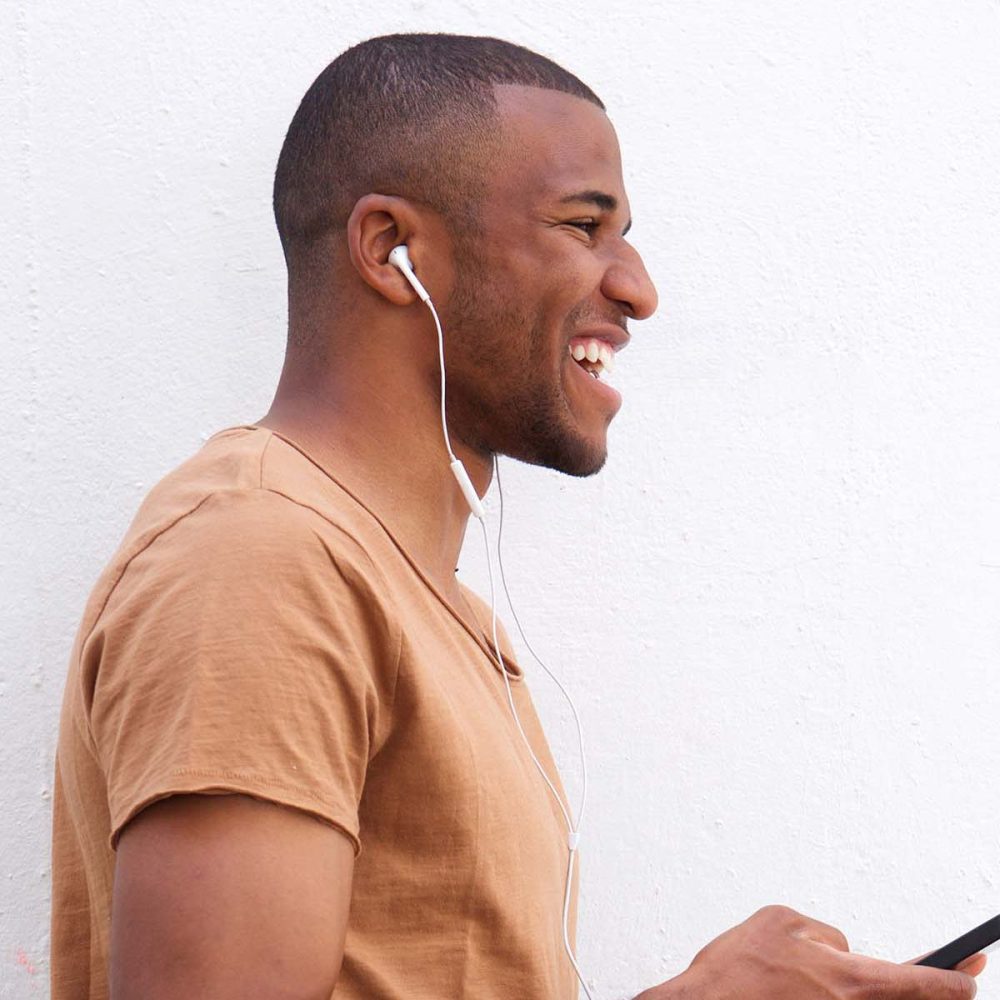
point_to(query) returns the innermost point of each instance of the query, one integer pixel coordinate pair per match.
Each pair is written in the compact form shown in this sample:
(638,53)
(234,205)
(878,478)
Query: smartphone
(970,943)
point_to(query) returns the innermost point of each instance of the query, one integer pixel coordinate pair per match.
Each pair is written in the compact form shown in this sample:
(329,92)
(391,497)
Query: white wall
(778,605)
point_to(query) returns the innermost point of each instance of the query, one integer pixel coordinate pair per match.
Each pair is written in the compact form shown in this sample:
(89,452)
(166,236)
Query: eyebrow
(605,202)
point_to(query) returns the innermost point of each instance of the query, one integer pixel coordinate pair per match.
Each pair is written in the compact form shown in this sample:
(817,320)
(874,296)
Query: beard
(505,392)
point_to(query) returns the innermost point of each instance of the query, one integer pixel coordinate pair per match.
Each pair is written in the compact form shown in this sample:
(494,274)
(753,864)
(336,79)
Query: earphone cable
(563,807)
(573,830)
(440,336)
(536,657)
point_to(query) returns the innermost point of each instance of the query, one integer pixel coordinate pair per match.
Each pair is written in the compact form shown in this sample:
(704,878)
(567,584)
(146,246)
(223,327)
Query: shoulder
(248,492)
(251,533)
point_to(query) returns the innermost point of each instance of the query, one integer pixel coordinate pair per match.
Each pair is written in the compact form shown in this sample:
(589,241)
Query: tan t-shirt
(260,631)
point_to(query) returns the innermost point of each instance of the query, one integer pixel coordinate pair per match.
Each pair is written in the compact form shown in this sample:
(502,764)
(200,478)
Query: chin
(539,432)
(572,456)
(583,467)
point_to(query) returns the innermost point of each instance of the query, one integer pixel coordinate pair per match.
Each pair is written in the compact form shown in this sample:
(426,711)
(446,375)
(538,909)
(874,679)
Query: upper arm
(225,897)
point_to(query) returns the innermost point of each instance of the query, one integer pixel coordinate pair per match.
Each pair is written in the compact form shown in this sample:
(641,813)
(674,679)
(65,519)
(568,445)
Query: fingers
(912,982)
(936,984)
(973,965)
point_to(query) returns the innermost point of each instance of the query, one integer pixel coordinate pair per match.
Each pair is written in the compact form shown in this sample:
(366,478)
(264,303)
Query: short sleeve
(246,649)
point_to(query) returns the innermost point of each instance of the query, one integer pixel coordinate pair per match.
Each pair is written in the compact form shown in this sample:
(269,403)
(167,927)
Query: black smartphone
(970,943)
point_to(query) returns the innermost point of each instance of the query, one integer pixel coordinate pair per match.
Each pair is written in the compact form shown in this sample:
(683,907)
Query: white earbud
(399,257)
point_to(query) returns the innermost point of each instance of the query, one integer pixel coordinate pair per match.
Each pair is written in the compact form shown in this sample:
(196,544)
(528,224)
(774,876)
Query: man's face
(549,271)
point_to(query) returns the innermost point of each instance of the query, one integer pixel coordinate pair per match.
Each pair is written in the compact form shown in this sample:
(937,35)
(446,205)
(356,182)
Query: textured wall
(778,605)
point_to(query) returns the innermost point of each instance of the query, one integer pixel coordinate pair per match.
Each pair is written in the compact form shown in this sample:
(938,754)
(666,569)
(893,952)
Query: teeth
(594,352)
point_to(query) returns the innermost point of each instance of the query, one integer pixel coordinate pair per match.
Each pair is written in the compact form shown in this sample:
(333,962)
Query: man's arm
(225,897)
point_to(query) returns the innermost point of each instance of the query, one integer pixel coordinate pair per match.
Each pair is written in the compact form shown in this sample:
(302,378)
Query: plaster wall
(777,606)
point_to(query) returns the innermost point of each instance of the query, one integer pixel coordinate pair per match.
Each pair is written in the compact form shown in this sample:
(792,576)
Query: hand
(778,954)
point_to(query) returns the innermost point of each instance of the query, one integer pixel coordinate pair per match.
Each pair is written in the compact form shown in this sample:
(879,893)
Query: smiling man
(287,759)
(287,767)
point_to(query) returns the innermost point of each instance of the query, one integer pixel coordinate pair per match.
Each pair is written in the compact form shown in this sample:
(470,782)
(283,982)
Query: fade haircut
(412,115)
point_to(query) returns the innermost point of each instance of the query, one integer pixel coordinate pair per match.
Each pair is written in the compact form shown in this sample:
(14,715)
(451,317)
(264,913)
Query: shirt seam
(135,555)
(253,780)
(228,491)
(249,777)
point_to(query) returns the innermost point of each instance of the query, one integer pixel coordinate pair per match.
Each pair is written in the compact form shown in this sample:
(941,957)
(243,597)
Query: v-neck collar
(513,669)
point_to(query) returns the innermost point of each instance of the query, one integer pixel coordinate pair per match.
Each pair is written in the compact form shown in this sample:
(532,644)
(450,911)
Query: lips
(616,337)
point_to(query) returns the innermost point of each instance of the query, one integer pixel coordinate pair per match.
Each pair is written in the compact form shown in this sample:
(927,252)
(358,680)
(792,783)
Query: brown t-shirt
(260,631)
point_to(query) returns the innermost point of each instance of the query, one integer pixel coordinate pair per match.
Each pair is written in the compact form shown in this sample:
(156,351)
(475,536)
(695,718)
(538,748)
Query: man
(287,767)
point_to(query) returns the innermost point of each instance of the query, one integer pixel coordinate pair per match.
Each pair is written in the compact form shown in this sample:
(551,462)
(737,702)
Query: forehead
(554,144)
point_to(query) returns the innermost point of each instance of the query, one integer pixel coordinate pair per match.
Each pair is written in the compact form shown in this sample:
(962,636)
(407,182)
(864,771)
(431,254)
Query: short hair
(412,115)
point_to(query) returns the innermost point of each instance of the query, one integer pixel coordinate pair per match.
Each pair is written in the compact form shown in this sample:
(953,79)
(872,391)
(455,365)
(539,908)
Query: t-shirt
(261,631)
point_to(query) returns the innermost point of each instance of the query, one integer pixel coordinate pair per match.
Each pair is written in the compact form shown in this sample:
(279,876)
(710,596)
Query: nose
(627,282)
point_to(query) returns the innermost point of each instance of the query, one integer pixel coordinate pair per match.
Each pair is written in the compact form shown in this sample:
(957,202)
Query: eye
(589,226)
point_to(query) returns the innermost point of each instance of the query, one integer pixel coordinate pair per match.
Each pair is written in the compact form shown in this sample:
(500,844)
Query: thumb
(971,966)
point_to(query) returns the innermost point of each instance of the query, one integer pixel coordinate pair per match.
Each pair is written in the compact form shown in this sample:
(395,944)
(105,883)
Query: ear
(378,223)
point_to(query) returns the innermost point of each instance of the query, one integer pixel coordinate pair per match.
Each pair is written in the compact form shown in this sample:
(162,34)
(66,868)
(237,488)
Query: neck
(377,429)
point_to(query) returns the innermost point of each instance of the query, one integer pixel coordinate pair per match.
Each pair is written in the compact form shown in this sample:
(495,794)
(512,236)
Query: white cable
(573,831)
(440,336)
(536,657)
(510,694)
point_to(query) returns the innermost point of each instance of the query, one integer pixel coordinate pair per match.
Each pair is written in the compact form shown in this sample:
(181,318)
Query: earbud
(399,257)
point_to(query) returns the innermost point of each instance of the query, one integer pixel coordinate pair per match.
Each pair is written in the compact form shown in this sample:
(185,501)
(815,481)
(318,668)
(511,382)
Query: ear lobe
(378,224)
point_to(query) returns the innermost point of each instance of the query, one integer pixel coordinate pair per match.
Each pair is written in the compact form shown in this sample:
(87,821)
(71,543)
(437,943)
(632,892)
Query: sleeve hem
(189,781)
